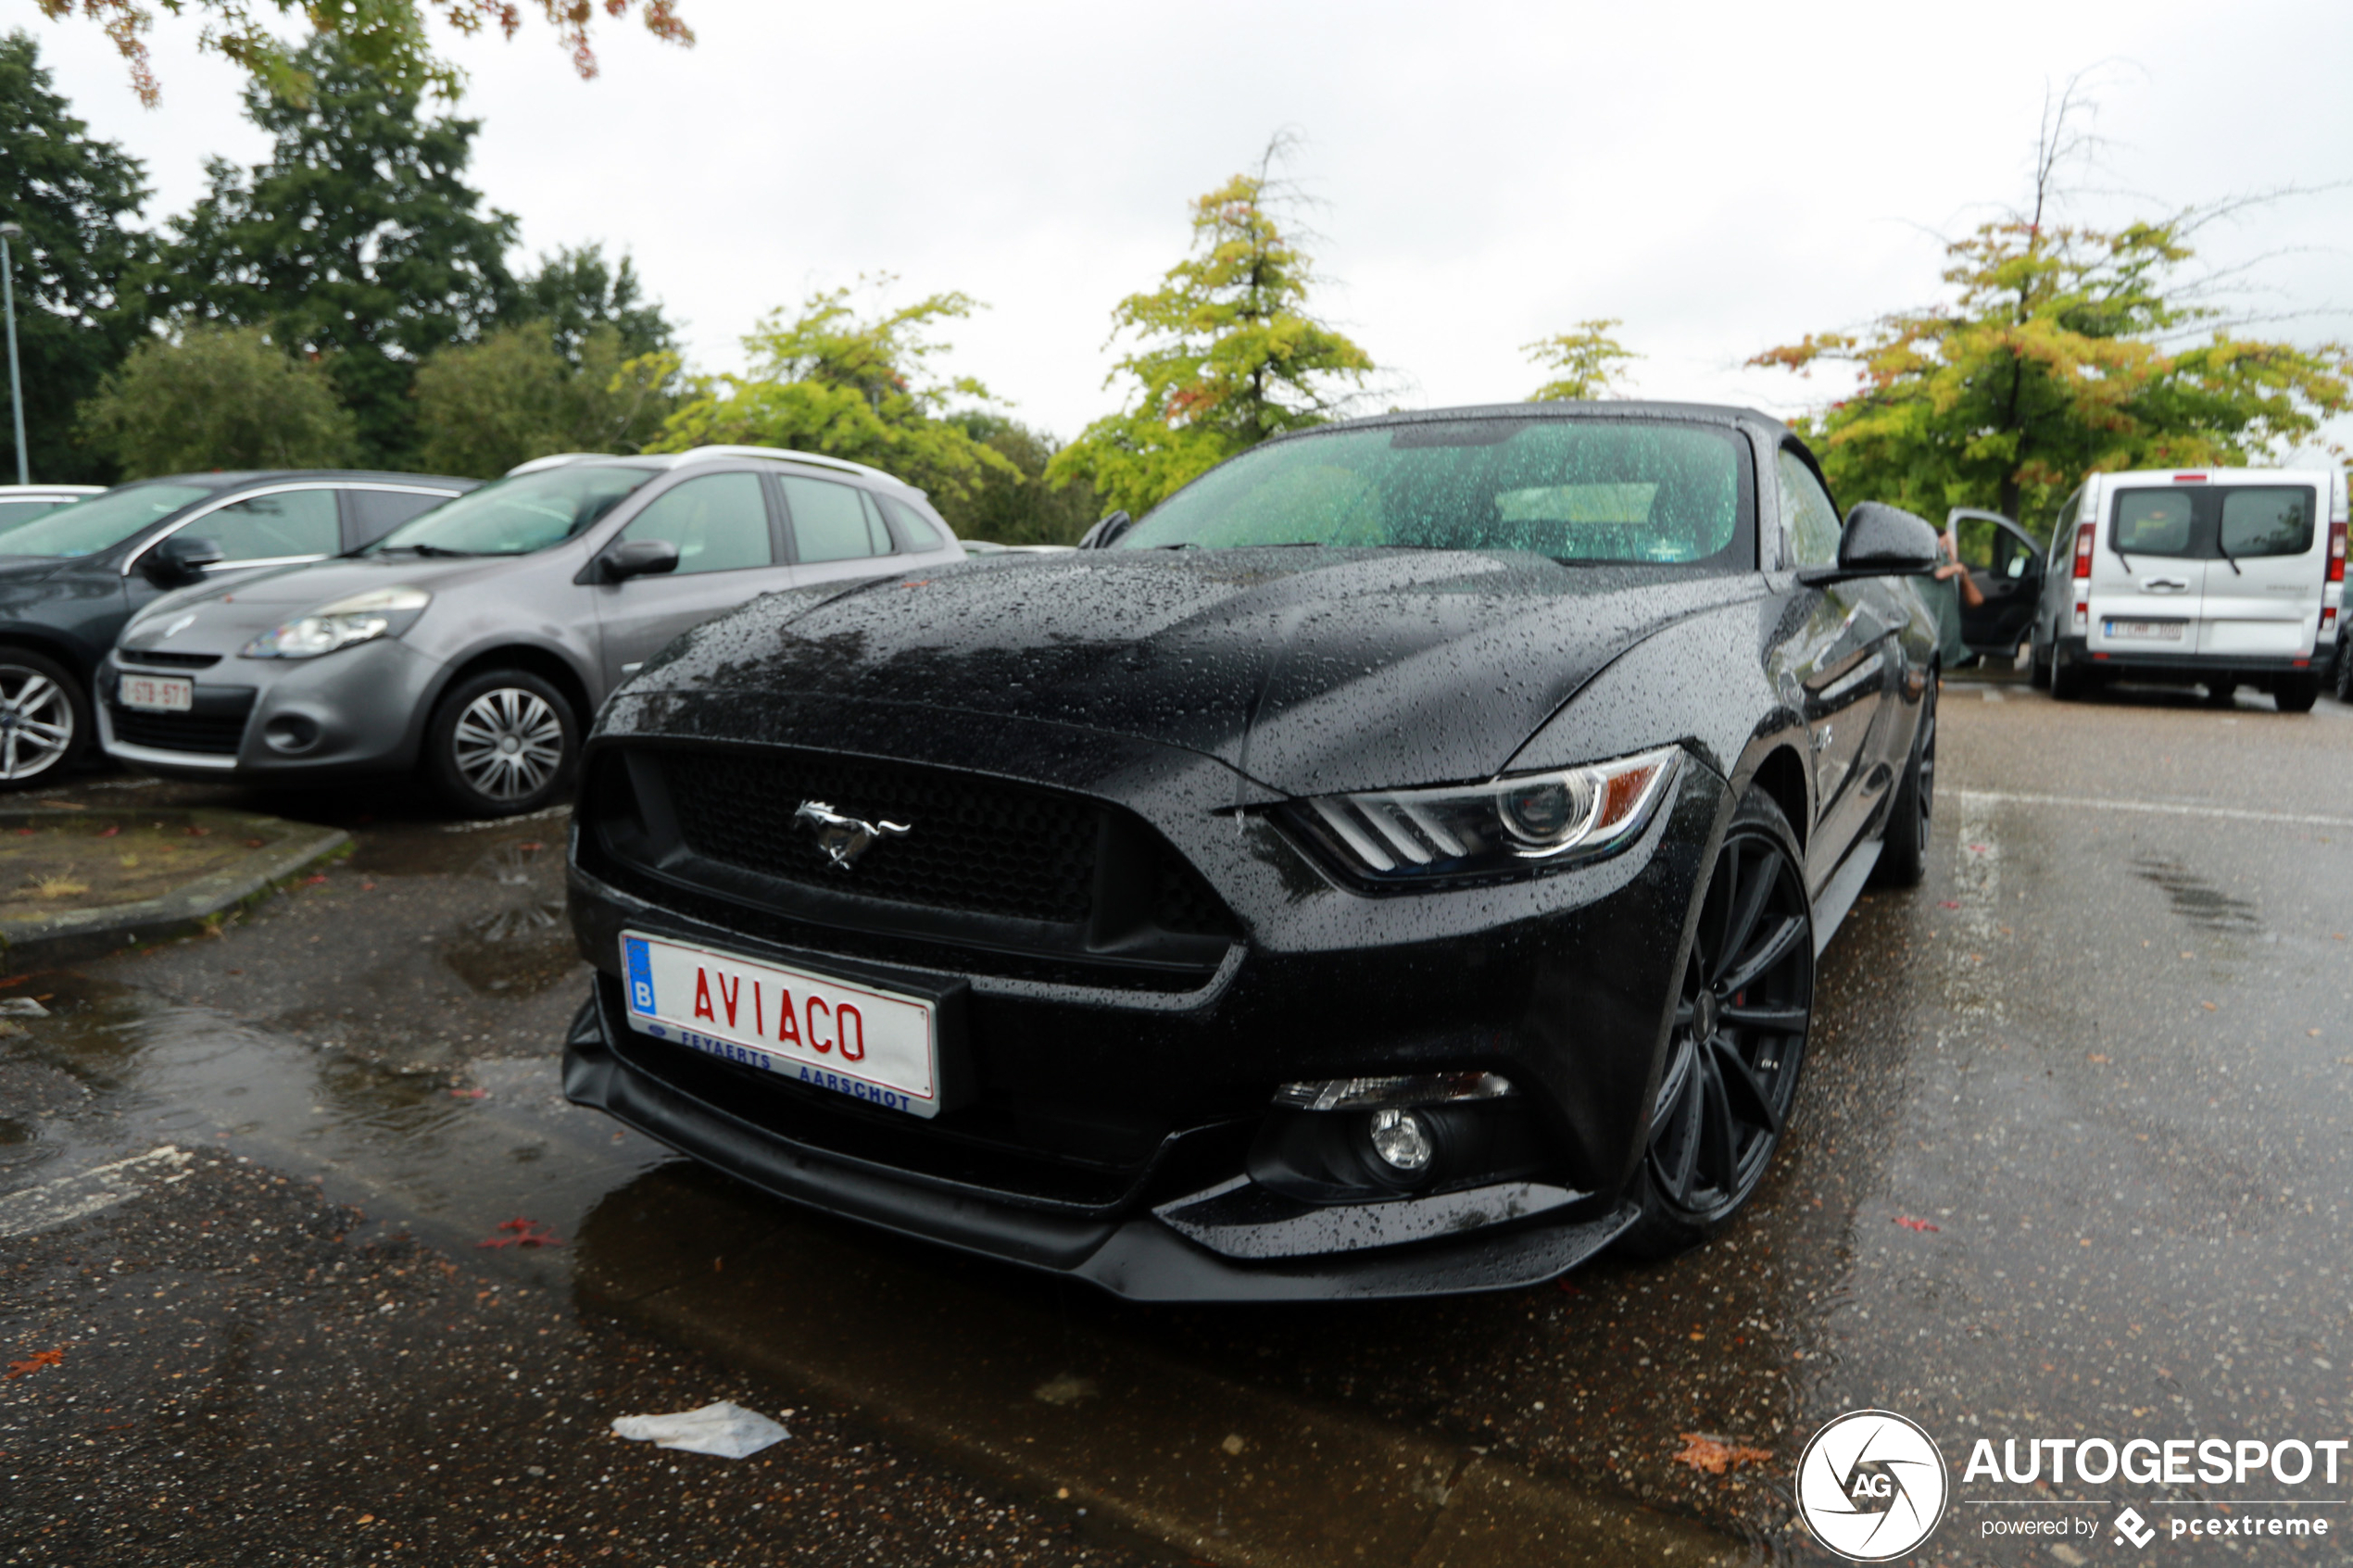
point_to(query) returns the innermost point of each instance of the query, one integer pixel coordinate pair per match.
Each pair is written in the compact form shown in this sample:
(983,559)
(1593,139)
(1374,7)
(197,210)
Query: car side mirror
(1100,537)
(180,560)
(1880,541)
(637,558)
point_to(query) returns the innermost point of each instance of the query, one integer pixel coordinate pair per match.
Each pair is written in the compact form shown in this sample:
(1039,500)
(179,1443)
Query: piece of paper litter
(727,1430)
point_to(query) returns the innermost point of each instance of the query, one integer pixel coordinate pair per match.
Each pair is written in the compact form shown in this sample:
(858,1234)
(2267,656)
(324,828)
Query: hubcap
(37,722)
(1740,1032)
(508,743)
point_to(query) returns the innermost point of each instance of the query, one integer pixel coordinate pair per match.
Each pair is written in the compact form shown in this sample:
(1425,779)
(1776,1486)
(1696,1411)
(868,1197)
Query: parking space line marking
(76,1196)
(2157,807)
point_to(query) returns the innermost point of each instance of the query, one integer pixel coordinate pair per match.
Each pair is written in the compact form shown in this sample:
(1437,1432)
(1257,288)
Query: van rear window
(2243,522)
(2267,522)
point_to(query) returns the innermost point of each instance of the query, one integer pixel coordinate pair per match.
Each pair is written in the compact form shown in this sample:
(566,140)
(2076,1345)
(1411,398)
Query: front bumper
(1114,1135)
(352,713)
(1140,1256)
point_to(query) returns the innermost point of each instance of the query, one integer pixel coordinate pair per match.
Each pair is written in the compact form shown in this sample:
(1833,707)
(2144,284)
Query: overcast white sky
(1722,177)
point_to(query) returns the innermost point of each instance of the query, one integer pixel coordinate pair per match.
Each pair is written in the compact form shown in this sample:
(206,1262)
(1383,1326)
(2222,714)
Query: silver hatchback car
(475,642)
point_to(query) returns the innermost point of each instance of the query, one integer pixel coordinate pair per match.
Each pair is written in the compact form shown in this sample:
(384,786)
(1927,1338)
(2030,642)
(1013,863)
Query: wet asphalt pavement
(2070,1162)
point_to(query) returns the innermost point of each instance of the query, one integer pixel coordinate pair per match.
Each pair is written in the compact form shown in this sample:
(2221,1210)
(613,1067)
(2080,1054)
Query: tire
(2297,693)
(1903,855)
(45,723)
(2221,694)
(2344,667)
(501,743)
(2068,681)
(1732,1061)
(2038,665)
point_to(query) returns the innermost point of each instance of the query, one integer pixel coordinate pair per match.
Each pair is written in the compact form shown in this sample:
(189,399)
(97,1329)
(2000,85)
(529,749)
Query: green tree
(387,36)
(577,289)
(836,382)
(1591,362)
(218,397)
(2062,350)
(1019,506)
(358,241)
(481,407)
(1225,354)
(74,197)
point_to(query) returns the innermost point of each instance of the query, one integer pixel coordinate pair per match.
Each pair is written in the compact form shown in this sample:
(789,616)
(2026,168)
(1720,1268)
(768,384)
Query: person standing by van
(1950,589)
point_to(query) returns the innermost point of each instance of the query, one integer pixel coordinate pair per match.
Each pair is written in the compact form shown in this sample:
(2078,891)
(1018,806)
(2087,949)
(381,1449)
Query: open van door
(2007,566)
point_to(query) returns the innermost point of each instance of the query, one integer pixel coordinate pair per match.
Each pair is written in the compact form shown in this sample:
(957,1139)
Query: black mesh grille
(217,732)
(973,844)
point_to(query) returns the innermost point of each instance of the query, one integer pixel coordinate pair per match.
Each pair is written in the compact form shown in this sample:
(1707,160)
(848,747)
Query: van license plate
(157,693)
(2161,630)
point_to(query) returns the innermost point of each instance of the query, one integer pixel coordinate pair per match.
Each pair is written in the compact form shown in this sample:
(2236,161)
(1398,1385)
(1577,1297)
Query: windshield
(516,516)
(1585,489)
(98,523)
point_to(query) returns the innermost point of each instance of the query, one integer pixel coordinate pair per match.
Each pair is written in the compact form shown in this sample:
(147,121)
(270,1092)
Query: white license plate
(157,693)
(874,1046)
(2161,631)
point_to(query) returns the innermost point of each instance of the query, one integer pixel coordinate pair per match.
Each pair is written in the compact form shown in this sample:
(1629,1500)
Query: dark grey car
(71,576)
(475,642)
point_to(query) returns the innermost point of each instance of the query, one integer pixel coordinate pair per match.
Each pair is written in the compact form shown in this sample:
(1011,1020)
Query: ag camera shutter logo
(1872,1486)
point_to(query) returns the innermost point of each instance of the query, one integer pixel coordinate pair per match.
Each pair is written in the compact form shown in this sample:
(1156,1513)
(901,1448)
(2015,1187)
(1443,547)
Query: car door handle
(2164,586)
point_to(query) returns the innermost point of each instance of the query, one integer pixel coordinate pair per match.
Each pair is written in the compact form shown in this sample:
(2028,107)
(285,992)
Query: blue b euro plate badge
(641,974)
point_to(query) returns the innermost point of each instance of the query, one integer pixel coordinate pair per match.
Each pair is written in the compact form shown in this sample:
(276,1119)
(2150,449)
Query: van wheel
(44,718)
(1737,1040)
(501,744)
(2297,693)
(2039,665)
(2344,668)
(2068,680)
(2222,694)
(1903,855)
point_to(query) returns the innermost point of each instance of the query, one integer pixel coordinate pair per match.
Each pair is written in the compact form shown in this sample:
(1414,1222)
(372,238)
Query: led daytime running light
(1393,1093)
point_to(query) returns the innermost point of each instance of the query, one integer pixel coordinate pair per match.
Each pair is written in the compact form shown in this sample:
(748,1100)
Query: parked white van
(2222,577)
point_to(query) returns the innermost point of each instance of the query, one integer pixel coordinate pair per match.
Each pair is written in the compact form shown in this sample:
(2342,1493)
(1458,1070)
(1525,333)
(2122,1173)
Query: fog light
(1401,1139)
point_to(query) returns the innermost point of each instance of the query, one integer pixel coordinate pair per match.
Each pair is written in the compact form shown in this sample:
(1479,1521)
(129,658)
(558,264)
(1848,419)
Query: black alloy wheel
(1738,1039)
(1902,858)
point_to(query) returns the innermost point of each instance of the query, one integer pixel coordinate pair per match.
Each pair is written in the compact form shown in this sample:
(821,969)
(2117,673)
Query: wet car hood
(32,569)
(1308,670)
(228,615)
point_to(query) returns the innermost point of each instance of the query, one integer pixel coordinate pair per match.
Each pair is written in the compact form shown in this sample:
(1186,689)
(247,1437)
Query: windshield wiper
(2225,550)
(425,550)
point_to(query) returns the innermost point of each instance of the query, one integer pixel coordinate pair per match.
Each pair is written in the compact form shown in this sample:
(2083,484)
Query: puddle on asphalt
(524,947)
(411,1151)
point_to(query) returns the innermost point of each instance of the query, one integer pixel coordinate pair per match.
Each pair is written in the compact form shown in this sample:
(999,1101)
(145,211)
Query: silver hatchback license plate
(157,693)
(2157,631)
(875,1045)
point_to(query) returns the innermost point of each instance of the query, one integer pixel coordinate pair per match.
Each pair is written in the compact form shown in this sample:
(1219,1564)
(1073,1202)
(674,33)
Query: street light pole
(16,381)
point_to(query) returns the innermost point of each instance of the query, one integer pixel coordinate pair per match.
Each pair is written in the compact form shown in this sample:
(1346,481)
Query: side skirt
(1838,898)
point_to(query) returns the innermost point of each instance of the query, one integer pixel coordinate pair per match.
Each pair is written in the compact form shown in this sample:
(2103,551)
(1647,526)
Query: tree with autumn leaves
(2062,350)
(1224,355)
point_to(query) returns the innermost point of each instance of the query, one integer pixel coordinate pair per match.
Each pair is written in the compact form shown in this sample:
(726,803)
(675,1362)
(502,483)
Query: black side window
(375,513)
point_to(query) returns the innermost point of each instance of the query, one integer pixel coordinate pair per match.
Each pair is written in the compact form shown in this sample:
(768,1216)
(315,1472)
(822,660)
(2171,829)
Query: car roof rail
(816,458)
(552,461)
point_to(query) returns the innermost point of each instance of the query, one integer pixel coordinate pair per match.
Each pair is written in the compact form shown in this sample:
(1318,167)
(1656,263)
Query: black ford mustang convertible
(1395,865)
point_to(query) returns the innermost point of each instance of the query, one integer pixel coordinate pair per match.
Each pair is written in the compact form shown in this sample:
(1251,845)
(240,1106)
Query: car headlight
(380,613)
(1521,821)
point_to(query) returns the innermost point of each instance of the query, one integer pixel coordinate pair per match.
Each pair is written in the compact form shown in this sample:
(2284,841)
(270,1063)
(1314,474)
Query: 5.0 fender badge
(842,838)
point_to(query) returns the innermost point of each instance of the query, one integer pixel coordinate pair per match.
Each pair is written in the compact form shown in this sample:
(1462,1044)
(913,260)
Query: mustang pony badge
(842,838)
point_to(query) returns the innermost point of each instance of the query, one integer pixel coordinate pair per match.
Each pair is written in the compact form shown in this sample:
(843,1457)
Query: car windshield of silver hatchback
(516,516)
(99,523)
(1577,490)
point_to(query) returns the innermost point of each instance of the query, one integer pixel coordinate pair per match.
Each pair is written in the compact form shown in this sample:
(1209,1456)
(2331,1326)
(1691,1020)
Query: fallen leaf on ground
(253,844)
(1716,1455)
(1911,1224)
(196,832)
(532,847)
(522,1233)
(24,833)
(2097,1057)
(34,1362)
(2208,1006)
(470,1093)
(314,879)
(1952,904)
(110,831)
